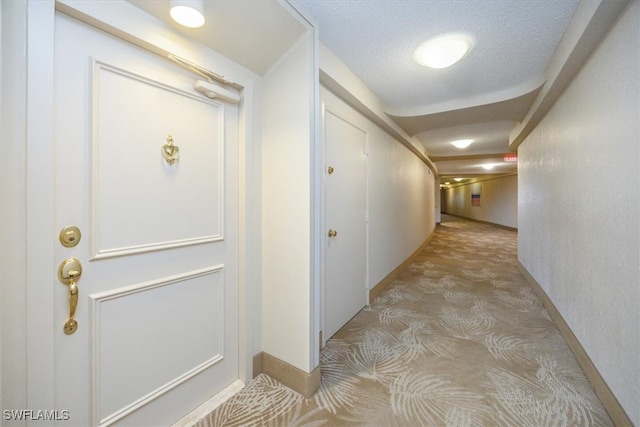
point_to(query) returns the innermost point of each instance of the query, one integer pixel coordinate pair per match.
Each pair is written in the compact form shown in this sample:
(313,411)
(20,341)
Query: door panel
(345,290)
(121,224)
(121,345)
(158,295)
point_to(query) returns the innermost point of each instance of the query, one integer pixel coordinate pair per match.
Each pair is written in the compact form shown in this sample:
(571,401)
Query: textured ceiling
(507,78)
(513,42)
(482,97)
(254,34)
(489,138)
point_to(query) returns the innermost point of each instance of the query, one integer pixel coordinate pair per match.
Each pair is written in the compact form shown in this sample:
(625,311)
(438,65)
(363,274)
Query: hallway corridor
(459,339)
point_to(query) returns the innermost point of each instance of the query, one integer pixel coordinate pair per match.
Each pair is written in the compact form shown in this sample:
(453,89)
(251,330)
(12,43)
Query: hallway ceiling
(254,34)
(482,97)
(525,53)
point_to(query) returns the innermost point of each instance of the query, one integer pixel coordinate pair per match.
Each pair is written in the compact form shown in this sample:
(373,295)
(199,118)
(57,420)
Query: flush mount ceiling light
(462,143)
(489,166)
(457,179)
(444,51)
(189,13)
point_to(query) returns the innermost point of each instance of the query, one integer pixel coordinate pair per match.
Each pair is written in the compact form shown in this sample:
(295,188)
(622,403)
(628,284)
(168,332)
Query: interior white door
(345,291)
(157,313)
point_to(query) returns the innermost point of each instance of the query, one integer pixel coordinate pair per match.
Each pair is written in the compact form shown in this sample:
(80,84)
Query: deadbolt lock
(330,170)
(70,236)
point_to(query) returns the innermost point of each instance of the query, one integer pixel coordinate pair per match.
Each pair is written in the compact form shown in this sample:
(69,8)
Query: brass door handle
(332,233)
(73,298)
(69,272)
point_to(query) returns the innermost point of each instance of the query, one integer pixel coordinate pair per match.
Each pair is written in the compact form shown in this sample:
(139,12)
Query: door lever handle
(73,295)
(69,272)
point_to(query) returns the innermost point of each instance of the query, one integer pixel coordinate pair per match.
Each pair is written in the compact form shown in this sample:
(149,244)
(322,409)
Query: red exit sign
(511,157)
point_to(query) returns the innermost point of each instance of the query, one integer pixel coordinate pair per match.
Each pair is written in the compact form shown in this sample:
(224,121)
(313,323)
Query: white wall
(499,201)
(401,191)
(579,208)
(401,204)
(287,124)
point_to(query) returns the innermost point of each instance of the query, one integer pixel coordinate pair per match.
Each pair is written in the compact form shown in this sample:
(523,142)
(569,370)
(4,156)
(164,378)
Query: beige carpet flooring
(460,339)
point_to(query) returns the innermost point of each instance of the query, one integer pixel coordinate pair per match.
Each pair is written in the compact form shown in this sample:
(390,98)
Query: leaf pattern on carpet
(538,399)
(459,339)
(249,407)
(374,357)
(338,386)
(417,339)
(509,348)
(395,316)
(429,399)
(463,323)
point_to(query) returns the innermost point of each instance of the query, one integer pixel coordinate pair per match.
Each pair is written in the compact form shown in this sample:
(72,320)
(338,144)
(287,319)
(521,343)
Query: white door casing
(345,290)
(158,308)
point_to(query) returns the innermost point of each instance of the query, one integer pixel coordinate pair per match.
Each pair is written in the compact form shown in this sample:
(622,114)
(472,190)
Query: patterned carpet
(460,339)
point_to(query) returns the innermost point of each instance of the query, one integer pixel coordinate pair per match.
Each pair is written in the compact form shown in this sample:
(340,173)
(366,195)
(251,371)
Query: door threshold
(210,405)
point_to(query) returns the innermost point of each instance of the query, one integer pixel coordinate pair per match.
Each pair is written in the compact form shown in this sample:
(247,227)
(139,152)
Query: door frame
(27,351)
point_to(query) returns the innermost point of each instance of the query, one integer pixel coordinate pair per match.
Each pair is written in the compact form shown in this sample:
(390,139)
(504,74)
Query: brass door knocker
(170,152)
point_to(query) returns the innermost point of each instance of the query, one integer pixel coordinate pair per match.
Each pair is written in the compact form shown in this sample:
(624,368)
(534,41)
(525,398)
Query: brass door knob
(332,233)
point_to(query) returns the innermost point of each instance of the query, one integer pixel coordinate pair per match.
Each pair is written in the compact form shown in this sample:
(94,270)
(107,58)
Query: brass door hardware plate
(70,236)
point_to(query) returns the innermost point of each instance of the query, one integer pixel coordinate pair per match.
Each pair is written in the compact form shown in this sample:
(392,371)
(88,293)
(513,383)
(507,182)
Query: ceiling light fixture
(457,179)
(443,51)
(462,143)
(489,166)
(189,13)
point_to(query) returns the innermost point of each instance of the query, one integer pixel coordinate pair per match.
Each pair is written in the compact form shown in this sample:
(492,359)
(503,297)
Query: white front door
(345,291)
(157,312)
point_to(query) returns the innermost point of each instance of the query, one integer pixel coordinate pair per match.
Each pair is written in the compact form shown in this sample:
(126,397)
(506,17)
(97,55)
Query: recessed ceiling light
(447,183)
(457,179)
(462,143)
(189,13)
(443,51)
(489,166)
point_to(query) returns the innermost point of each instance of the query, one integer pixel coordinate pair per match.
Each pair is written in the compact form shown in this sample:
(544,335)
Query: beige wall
(401,203)
(499,201)
(579,208)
